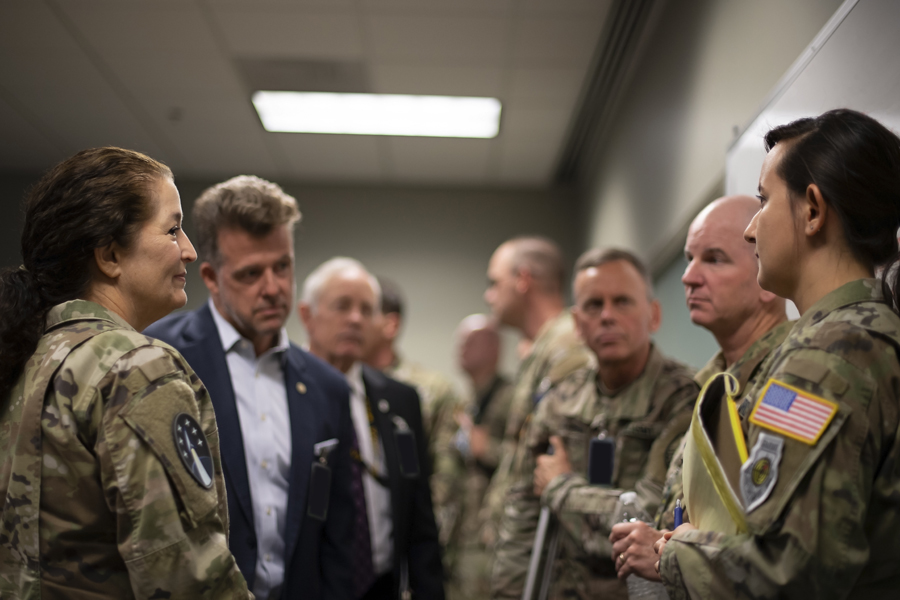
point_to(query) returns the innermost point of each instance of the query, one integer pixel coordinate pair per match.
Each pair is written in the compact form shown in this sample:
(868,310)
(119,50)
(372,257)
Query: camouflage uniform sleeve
(496,427)
(827,516)
(171,530)
(672,490)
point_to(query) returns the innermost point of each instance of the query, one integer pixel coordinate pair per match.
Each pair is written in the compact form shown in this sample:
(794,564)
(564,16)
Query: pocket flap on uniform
(152,418)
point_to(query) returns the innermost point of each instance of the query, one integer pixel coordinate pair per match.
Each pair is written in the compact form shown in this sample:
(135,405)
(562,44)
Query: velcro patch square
(793,412)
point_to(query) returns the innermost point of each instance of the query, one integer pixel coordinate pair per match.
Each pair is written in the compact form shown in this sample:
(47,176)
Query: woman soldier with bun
(812,508)
(109,457)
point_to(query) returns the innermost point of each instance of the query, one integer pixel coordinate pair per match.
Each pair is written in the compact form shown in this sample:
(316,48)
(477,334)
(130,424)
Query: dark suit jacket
(415,533)
(317,560)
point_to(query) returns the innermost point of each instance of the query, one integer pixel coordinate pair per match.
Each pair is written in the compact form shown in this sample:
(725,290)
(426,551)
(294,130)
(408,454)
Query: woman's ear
(815,211)
(107,258)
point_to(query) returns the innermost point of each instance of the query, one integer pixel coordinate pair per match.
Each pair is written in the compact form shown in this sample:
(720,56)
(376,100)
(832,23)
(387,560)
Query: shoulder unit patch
(793,412)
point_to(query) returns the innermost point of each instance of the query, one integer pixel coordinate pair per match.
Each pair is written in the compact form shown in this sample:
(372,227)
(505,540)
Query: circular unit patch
(761,471)
(193,448)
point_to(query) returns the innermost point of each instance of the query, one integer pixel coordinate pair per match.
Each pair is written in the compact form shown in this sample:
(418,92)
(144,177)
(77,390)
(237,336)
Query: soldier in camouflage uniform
(525,292)
(637,397)
(439,401)
(814,509)
(110,472)
(478,440)
(748,323)
(120,515)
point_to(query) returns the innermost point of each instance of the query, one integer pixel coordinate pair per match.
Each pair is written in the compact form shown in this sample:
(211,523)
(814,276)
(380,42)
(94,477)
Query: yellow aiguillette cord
(731,389)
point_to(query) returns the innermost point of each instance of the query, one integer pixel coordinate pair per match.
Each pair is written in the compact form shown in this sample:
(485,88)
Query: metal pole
(535,563)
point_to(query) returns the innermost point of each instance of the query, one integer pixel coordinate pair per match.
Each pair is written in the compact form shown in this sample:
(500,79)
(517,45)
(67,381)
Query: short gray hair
(339,265)
(543,259)
(596,257)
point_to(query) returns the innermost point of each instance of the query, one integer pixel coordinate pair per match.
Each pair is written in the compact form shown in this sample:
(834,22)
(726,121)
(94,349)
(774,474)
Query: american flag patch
(793,412)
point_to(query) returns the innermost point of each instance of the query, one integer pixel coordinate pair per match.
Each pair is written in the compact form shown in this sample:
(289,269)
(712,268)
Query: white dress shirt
(258,384)
(378,497)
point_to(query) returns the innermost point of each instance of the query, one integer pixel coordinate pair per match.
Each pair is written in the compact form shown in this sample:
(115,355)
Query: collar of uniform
(716,364)
(83,310)
(632,401)
(355,380)
(230,336)
(746,366)
(861,290)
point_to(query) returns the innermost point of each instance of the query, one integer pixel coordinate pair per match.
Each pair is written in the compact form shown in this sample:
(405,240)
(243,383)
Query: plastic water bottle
(628,511)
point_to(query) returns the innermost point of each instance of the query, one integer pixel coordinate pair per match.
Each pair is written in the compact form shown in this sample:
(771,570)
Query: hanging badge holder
(320,480)
(406,448)
(601,458)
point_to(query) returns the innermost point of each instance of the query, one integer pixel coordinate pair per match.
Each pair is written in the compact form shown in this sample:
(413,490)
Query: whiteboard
(854,62)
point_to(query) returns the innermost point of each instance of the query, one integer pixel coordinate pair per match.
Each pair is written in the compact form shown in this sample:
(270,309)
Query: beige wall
(702,77)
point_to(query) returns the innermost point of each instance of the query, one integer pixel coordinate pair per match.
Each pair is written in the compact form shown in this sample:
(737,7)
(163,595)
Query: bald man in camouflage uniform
(98,500)
(638,397)
(748,323)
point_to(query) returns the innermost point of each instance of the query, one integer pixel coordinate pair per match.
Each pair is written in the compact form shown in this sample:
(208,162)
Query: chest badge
(193,448)
(760,473)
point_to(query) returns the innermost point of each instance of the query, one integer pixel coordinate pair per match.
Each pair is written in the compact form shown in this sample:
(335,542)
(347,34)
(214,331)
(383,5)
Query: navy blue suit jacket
(415,533)
(317,561)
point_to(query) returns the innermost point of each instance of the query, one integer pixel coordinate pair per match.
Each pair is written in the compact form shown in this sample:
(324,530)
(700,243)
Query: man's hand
(550,466)
(660,544)
(633,551)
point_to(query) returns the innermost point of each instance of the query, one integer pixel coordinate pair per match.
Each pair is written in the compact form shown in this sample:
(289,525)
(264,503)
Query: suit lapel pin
(301,387)
(383,406)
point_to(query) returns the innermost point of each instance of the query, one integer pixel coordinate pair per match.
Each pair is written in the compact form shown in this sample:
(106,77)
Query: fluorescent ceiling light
(378,114)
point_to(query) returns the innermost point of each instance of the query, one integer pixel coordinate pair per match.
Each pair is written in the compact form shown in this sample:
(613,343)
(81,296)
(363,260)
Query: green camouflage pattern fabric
(471,576)
(440,403)
(556,353)
(97,502)
(745,370)
(830,528)
(647,419)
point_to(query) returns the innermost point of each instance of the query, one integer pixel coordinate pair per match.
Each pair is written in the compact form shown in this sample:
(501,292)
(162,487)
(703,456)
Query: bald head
(720,279)
(478,345)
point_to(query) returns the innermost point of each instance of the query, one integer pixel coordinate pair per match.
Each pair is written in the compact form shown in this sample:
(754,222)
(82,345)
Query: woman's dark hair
(855,162)
(88,201)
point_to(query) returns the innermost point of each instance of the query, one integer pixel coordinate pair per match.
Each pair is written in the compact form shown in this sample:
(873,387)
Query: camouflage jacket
(492,417)
(745,370)
(98,501)
(439,402)
(557,352)
(647,418)
(823,518)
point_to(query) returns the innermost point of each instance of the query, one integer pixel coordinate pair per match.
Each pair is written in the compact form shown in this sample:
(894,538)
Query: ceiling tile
(595,8)
(440,160)
(469,7)
(24,146)
(331,157)
(556,41)
(438,80)
(282,32)
(26,26)
(530,141)
(134,29)
(73,101)
(545,87)
(478,41)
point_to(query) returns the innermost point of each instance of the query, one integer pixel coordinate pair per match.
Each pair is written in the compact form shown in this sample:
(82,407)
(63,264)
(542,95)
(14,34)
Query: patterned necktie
(364,572)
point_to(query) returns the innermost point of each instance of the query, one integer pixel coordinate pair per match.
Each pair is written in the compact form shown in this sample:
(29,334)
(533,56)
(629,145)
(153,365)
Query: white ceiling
(160,76)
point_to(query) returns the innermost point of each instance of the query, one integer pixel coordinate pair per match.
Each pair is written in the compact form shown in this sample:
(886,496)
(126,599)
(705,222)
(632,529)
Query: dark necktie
(364,572)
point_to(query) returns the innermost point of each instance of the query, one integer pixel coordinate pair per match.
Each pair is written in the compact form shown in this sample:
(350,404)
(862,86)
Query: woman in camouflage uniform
(812,507)
(109,461)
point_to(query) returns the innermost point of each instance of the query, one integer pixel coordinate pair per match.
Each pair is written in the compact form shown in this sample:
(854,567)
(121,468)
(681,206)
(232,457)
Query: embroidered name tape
(793,412)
